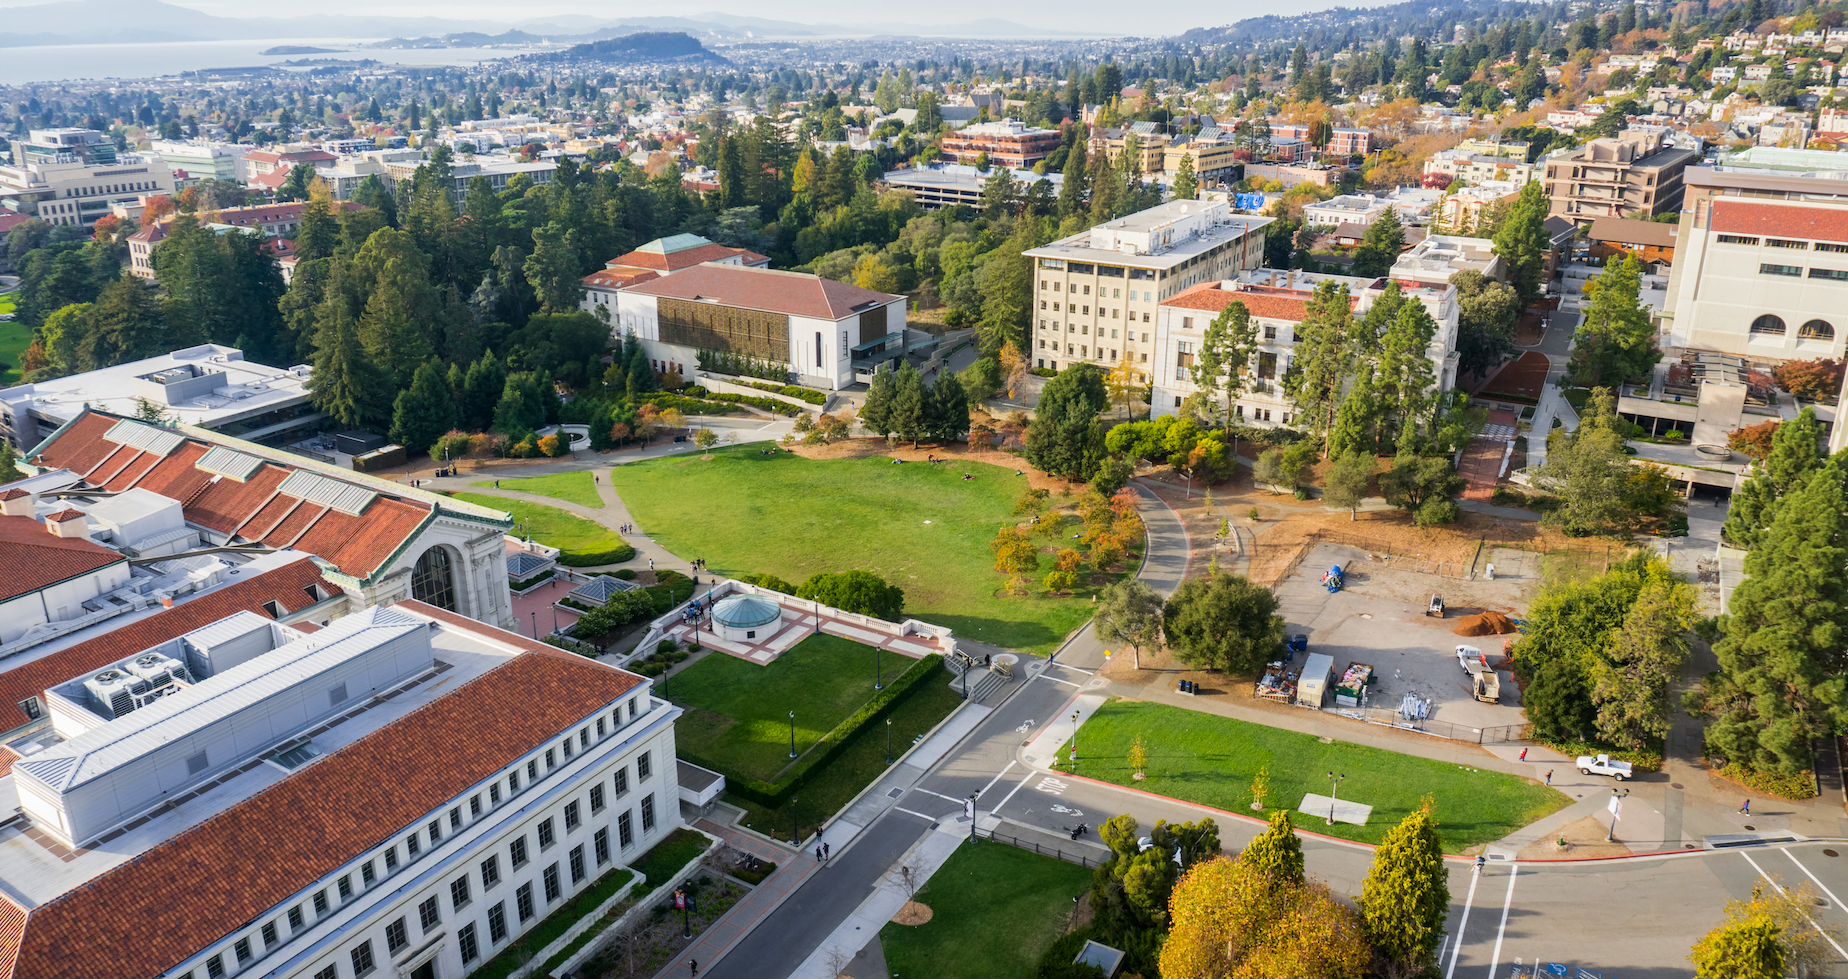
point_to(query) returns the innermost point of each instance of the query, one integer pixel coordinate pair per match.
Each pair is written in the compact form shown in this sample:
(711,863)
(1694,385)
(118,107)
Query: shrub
(535,579)
(1674,434)
(1801,785)
(666,646)
(626,574)
(453,445)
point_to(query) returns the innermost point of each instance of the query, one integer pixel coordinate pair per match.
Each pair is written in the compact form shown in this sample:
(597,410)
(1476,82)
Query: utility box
(1318,674)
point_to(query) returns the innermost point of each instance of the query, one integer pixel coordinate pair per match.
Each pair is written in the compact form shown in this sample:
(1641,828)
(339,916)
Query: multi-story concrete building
(72,176)
(1007,143)
(269,220)
(1278,303)
(404,791)
(1636,173)
(1215,160)
(662,256)
(941,185)
(1098,290)
(201,159)
(1359,210)
(1350,142)
(1474,168)
(497,171)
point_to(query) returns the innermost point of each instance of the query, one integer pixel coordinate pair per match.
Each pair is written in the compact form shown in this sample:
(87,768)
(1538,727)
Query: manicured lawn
(862,760)
(15,337)
(582,543)
(738,712)
(920,527)
(994,908)
(1209,759)
(665,858)
(572,487)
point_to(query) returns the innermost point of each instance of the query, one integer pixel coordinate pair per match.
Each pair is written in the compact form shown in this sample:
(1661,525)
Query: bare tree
(837,960)
(910,875)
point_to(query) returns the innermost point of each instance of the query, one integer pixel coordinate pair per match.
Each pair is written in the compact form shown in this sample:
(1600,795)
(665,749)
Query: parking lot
(1378,618)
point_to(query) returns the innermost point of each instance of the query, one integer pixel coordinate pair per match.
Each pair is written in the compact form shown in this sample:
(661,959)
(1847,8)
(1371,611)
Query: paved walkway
(792,871)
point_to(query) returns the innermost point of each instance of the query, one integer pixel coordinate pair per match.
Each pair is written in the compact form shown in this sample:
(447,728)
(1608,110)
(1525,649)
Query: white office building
(72,176)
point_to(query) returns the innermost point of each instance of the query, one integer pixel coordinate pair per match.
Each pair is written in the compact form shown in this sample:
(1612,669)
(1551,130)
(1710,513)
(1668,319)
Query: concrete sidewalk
(791,872)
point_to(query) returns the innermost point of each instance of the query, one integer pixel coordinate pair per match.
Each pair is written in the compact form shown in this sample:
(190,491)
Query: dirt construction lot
(1378,619)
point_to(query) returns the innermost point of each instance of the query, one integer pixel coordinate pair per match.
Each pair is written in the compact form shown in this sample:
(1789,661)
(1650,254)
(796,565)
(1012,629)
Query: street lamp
(535,623)
(1334,785)
(888,741)
(795,821)
(1074,742)
(972,796)
(1616,805)
(878,669)
(792,734)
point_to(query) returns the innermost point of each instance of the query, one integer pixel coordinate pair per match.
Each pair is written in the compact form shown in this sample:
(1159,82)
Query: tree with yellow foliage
(1230,918)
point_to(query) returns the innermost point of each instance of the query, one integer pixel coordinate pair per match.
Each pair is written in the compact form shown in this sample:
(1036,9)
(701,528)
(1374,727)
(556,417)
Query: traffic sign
(1556,969)
(1588,974)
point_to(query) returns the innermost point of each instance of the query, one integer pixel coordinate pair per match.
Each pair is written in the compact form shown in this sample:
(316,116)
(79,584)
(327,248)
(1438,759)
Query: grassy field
(994,909)
(1209,759)
(15,337)
(920,527)
(572,487)
(582,543)
(738,712)
(862,760)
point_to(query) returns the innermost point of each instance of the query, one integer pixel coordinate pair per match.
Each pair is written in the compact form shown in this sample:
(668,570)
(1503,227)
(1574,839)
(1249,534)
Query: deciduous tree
(1223,623)
(1345,480)
(1750,949)
(1129,613)
(855,591)
(1277,852)
(1230,919)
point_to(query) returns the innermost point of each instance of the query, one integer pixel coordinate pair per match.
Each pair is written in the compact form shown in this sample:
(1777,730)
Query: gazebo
(741,617)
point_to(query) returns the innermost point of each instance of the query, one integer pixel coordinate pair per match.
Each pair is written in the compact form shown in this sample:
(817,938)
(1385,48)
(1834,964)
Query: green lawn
(15,337)
(861,761)
(1209,759)
(572,487)
(582,543)
(738,712)
(995,909)
(919,526)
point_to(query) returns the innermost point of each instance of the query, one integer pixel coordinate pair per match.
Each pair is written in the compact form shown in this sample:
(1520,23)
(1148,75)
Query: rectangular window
(395,936)
(599,727)
(455,818)
(632,708)
(497,922)
(1186,322)
(1737,240)
(366,874)
(596,798)
(551,883)
(643,767)
(513,783)
(817,348)
(215,967)
(1267,366)
(1786,243)
(242,950)
(346,886)
(436,831)
(474,805)
(648,816)
(465,940)
(320,903)
(362,959)
(571,816)
(625,831)
(328,973)
(532,770)
(494,794)
(546,834)
(295,918)
(523,902)
(566,744)
(518,852)
(391,858)
(1833,274)
(428,917)
(1769,269)
(551,759)
(577,863)
(584,736)
(622,781)
(458,893)
(490,872)
(601,840)
(1829,246)
(269,934)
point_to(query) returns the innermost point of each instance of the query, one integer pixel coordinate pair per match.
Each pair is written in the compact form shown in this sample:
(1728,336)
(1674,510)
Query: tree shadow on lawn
(1017,634)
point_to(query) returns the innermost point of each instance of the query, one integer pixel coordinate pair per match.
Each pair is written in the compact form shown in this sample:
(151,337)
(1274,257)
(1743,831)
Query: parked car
(1604,765)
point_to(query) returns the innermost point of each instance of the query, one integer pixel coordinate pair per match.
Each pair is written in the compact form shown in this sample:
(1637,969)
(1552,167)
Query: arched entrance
(433,581)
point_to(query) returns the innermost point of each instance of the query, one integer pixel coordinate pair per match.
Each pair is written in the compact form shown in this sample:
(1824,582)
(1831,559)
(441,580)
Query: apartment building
(1152,146)
(1475,168)
(1215,160)
(73,176)
(1007,143)
(269,220)
(1350,142)
(1636,173)
(404,791)
(201,159)
(940,185)
(1099,290)
(1278,303)
(1359,210)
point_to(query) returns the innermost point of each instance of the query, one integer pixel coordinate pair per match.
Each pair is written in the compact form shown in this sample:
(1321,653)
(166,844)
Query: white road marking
(1462,923)
(1044,676)
(991,782)
(1806,917)
(1020,785)
(1819,883)
(1514,870)
(914,812)
(937,794)
(1052,786)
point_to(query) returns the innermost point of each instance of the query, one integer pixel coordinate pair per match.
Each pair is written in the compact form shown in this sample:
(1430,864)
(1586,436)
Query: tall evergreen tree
(909,415)
(1072,190)
(481,388)
(425,410)
(1323,356)
(1064,438)
(949,408)
(1277,851)
(876,414)
(1522,242)
(1225,353)
(1186,183)
(1793,457)
(1407,894)
(345,384)
(1380,246)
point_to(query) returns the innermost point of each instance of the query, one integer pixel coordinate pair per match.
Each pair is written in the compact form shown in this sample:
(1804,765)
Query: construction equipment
(1436,608)
(1333,580)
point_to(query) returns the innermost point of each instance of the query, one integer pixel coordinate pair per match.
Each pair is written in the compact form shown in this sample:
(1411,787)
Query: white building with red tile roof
(381,541)
(1278,302)
(827,332)
(272,220)
(404,789)
(662,256)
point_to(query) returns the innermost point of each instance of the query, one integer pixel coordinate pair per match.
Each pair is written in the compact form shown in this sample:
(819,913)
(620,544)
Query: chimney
(16,503)
(167,602)
(68,522)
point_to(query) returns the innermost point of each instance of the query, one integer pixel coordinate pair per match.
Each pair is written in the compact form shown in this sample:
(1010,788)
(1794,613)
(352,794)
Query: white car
(1604,765)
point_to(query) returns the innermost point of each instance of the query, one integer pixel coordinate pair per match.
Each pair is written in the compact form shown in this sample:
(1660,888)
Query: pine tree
(552,269)
(9,464)
(1406,377)
(1407,893)
(949,408)
(1186,184)
(1072,190)
(345,383)
(1793,457)
(1380,246)
(1277,851)
(876,414)
(909,416)
(319,230)
(1323,356)
(425,410)
(1523,241)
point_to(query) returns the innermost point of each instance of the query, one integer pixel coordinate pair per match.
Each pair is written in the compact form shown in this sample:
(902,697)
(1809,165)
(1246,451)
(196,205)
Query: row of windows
(1796,272)
(1769,325)
(1085,330)
(345,887)
(1147,296)
(1270,332)
(1821,246)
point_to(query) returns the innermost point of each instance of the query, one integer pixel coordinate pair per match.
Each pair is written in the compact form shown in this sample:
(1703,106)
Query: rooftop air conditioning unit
(158,669)
(115,690)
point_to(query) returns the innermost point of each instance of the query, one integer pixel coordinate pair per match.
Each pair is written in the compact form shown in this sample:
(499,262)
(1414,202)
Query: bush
(666,646)
(1056,962)
(1507,497)
(1801,785)
(615,554)
(809,395)
(755,877)
(1044,372)
(535,579)
(1643,760)
(768,404)
(451,446)
(626,574)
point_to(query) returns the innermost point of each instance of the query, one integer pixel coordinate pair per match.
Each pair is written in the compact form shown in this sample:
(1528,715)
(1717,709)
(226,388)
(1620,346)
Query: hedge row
(774,794)
(768,404)
(589,559)
(791,391)
(1801,785)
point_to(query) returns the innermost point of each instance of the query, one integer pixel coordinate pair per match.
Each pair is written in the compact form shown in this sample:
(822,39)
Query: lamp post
(1334,786)
(795,821)
(972,796)
(1616,806)
(792,734)
(878,669)
(535,623)
(888,741)
(1074,742)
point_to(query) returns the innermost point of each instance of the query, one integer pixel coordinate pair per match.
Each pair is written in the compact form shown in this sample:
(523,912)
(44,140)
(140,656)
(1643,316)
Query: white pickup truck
(1604,765)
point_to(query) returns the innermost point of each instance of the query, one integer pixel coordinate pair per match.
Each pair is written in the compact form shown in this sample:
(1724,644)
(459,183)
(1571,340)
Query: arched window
(1816,330)
(1768,325)
(432,582)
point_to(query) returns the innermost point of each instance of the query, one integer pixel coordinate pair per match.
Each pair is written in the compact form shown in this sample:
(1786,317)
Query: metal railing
(1078,857)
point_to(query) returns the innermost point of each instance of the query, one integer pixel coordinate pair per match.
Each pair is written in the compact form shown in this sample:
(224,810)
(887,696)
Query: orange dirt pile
(1486,624)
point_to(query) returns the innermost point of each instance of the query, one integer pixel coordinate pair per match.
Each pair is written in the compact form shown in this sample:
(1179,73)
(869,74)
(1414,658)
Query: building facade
(1098,291)
(1007,143)
(662,256)
(73,176)
(942,185)
(1649,241)
(1636,173)
(270,220)
(200,159)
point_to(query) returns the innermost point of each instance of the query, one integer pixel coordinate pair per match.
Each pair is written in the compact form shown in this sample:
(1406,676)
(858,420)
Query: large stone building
(662,256)
(1637,173)
(1098,290)
(72,176)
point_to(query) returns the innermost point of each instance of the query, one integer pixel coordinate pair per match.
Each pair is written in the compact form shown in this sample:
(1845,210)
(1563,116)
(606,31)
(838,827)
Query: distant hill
(1365,22)
(649,46)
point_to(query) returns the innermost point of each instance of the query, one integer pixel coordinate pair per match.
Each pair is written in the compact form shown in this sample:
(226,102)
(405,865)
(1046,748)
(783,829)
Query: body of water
(64,62)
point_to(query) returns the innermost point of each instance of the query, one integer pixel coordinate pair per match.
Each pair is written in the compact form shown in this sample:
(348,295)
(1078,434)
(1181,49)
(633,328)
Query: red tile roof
(35,559)
(1292,305)
(683,259)
(69,513)
(357,545)
(1780,221)
(615,279)
(284,586)
(8,219)
(791,293)
(14,494)
(146,915)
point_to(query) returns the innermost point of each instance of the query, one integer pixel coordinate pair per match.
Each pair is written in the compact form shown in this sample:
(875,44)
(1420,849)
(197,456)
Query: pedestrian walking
(1549,777)
(1523,754)
(827,850)
(818,853)
(651,564)
(1746,808)
(497,484)
(694,965)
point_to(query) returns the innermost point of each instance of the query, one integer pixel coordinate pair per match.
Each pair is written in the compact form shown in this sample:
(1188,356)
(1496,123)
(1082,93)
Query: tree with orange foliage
(157,207)
(1014,552)
(106,228)
(1230,918)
